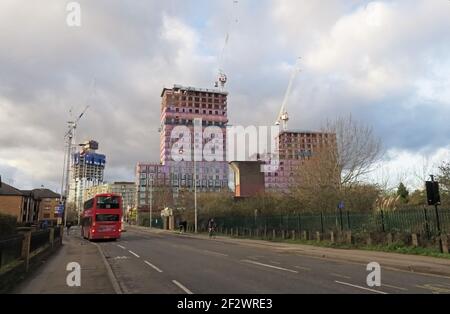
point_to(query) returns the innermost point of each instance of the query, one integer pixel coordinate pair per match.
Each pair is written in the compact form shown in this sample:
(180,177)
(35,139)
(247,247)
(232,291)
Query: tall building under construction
(87,170)
(180,107)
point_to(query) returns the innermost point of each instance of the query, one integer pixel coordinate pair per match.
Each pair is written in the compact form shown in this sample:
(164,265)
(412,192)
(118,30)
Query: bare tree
(357,148)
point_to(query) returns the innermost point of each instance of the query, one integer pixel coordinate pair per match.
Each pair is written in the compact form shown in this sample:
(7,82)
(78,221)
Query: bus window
(108,202)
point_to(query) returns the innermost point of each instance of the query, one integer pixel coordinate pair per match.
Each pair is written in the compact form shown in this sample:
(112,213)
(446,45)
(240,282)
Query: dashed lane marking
(122,247)
(182,287)
(269,266)
(153,266)
(134,254)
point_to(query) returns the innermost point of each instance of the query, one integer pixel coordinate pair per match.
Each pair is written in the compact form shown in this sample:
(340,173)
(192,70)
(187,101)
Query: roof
(177,87)
(6,189)
(303,132)
(44,193)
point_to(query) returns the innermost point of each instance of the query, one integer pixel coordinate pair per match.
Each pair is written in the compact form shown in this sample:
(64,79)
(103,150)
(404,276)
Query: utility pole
(438,221)
(72,125)
(70,135)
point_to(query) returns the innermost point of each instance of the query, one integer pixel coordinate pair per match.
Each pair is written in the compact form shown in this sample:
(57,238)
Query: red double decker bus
(102,217)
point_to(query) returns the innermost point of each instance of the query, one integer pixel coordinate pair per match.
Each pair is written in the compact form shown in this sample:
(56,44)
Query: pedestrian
(68,225)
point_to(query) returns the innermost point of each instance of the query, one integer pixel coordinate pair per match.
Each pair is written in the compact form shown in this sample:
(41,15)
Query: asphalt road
(166,263)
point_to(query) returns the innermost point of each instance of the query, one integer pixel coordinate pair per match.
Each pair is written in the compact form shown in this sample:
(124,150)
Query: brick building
(11,201)
(28,205)
(294,148)
(180,107)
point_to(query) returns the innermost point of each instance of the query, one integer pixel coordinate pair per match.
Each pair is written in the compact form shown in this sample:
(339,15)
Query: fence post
(299,223)
(348,220)
(61,234)
(349,237)
(293,234)
(318,236)
(427,225)
(444,241)
(331,236)
(274,234)
(52,237)
(369,239)
(321,222)
(341,220)
(389,238)
(26,249)
(438,225)
(382,221)
(414,240)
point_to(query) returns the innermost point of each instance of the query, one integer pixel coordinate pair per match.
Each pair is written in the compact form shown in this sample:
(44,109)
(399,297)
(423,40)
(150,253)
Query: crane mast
(283,116)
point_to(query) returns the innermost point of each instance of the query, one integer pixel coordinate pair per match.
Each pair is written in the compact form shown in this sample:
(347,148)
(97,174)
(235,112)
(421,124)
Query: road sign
(59,210)
(341,205)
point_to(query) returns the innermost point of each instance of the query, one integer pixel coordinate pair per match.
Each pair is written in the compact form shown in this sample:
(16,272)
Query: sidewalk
(50,278)
(413,263)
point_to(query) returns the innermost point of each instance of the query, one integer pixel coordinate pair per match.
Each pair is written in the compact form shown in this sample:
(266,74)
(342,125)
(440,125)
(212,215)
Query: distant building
(180,106)
(87,170)
(126,189)
(294,147)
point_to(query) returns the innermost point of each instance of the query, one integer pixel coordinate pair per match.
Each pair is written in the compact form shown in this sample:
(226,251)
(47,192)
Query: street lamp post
(151,202)
(195,191)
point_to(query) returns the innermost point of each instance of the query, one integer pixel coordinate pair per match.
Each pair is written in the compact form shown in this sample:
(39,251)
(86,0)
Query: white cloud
(386,62)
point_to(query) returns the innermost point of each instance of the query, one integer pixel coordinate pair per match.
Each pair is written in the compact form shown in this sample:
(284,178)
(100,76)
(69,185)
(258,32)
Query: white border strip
(359,287)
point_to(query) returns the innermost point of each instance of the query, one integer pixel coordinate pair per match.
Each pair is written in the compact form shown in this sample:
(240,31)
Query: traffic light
(433,196)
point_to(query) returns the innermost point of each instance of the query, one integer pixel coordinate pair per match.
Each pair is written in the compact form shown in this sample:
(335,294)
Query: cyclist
(212,227)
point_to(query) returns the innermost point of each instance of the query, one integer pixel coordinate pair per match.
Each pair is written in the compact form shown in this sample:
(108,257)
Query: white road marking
(182,287)
(394,287)
(134,253)
(274,262)
(269,266)
(359,287)
(303,268)
(340,276)
(215,253)
(122,247)
(153,266)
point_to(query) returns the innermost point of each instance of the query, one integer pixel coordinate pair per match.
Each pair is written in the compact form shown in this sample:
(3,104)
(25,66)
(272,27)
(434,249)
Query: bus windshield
(106,217)
(108,202)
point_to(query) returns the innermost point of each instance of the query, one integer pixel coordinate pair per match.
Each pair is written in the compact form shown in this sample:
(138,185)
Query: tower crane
(283,116)
(222,77)
(72,125)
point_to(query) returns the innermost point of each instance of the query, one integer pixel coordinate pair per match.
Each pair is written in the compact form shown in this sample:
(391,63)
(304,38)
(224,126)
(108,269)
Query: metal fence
(57,233)
(422,221)
(10,249)
(39,239)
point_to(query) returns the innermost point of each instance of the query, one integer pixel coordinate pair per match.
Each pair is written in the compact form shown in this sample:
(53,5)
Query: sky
(384,62)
